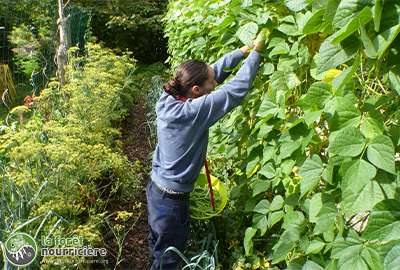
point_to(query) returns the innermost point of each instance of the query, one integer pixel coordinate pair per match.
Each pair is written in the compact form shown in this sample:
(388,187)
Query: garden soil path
(136,145)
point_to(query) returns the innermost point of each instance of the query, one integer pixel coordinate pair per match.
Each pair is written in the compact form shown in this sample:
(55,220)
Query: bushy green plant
(26,49)
(32,26)
(68,147)
(314,175)
(130,25)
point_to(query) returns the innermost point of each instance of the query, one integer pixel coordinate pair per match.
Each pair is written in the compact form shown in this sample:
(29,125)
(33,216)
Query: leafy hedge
(61,160)
(312,154)
(132,25)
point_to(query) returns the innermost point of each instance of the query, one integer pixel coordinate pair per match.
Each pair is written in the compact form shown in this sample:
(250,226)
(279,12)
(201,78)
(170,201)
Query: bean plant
(311,156)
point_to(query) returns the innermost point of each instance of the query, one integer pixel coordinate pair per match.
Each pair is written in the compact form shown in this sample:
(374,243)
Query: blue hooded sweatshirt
(182,127)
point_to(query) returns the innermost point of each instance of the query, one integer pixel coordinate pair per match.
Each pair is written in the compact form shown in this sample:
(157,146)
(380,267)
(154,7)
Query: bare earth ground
(136,145)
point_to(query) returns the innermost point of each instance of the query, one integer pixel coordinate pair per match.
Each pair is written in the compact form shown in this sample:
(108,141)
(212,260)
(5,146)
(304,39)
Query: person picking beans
(186,110)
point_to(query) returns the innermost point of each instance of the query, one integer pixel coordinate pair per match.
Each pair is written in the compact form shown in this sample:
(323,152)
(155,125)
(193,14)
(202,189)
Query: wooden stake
(61,56)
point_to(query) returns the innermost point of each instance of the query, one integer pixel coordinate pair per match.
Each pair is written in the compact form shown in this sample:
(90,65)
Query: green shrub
(70,142)
(311,150)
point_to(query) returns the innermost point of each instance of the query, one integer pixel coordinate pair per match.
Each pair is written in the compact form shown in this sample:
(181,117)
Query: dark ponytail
(189,73)
(173,87)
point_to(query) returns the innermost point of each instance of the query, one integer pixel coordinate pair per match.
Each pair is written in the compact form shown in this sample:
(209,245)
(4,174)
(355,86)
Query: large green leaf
(316,96)
(362,18)
(385,39)
(288,63)
(369,47)
(274,217)
(347,142)
(314,23)
(262,207)
(248,240)
(342,113)
(384,221)
(392,259)
(279,87)
(345,77)
(263,133)
(260,186)
(292,81)
(252,165)
(262,225)
(380,152)
(288,26)
(364,200)
(345,248)
(315,207)
(331,55)
(311,172)
(371,127)
(280,48)
(198,43)
(315,247)
(268,154)
(267,108)
(287,148)
(287,166)
(297,5)
(395,134)
(347,10)
(277,203)
(286,243)
(268,171)
(378,7)
(352,253)
(325,219)
(294,219)
(267,69)
(330,10)
(246,33)
(372,257)
(376,46)
(288,240)
(358,175)
(311,116)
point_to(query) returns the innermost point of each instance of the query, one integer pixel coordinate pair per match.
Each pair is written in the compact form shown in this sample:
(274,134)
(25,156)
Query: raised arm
(211,107)
(229,60)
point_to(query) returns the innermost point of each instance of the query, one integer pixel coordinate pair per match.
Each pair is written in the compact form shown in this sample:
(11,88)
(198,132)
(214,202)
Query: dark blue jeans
(168,220)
